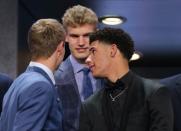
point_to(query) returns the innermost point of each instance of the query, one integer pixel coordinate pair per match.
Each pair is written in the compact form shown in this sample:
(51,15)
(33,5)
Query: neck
(117,71)
(47,62)
(81,61)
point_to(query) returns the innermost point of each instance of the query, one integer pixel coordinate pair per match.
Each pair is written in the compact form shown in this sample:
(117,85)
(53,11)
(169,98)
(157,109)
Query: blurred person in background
(173,83)
(5,83)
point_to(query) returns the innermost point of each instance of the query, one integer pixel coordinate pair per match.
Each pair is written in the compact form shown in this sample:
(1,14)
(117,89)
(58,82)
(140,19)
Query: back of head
(119,37)
(44,36)
(79,15)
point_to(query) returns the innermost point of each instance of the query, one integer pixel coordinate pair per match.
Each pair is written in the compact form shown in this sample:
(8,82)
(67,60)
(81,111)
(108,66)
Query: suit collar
(178,79)
(77,67)
(44,68)
(40,71)
(66,65)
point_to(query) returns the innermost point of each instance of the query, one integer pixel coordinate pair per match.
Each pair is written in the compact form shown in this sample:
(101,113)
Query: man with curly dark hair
(128,102)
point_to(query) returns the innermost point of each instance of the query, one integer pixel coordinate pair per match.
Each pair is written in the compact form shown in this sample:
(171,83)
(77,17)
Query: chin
(96,75)
(81,59)
(82,55)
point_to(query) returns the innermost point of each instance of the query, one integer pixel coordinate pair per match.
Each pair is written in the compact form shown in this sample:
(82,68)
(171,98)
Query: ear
(113,50)
(61,47)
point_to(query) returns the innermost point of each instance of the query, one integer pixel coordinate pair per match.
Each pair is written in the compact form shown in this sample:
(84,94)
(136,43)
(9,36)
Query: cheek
(103,63)
(87,40)
(72,42)
(71,46)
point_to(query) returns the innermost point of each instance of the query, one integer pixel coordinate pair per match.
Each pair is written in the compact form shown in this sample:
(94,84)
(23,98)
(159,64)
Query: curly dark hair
(117,36)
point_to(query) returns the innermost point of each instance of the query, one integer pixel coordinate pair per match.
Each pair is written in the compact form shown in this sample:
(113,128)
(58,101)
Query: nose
(81,40)
(88,60)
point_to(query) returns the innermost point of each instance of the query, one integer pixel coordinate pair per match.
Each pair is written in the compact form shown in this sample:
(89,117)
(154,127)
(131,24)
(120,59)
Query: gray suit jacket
(69,94)
(148,108)
(31,104)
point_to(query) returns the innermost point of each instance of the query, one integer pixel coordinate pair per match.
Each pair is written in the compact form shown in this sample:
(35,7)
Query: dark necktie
(87,85)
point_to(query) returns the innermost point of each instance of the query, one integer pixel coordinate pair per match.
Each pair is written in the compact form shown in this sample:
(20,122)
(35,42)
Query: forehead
(101,43)
(98,45)
(87,28)
(94,43)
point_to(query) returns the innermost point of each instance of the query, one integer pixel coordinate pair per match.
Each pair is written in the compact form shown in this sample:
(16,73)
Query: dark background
(155,26)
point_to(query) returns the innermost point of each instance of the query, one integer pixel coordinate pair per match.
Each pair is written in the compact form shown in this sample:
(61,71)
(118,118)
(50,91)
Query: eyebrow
(77,35)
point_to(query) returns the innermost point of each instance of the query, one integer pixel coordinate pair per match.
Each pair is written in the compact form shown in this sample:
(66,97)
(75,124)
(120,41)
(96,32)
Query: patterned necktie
(87,85)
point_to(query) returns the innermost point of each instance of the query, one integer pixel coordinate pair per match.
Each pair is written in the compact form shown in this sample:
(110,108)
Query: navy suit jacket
(174,85)
(69,94)
(5,83)
(31,104)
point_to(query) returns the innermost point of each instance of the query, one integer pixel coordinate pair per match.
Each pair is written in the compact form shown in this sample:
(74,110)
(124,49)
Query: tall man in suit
(32,103)
(5,82)
(128,102)
(79,22)
(173,83)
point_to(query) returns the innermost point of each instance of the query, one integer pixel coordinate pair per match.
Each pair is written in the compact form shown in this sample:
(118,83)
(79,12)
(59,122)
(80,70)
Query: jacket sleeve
(34,105)
(161,112)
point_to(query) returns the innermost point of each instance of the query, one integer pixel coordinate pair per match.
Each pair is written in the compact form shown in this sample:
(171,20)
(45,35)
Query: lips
(91,68)
(82,49)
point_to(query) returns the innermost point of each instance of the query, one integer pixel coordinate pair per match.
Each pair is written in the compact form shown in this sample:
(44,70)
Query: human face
(99,59)
(78,40)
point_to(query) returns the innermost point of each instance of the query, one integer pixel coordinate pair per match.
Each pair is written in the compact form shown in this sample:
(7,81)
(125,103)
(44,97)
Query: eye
(93,51)
(86,35)
(74,35)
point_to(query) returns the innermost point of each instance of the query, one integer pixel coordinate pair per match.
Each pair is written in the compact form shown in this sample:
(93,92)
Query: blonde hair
(79,15)
(44,36)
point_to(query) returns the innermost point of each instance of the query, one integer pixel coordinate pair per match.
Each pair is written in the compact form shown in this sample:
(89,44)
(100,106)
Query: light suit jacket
(31,104)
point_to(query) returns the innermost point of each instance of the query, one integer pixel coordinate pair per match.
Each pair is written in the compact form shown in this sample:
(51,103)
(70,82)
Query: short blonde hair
(44,36)
(79,15)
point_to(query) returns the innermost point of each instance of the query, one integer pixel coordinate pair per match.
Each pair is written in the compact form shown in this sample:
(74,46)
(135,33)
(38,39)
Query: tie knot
(86,70)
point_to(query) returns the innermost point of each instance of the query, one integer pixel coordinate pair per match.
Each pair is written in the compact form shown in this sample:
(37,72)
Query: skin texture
(99,59)
(78,40)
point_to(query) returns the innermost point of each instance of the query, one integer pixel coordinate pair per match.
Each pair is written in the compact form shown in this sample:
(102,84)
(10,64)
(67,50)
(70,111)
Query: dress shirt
(77,68)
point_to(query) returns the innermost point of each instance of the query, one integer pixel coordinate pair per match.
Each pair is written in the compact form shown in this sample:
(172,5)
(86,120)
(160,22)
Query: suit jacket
(174,85)
(31,104)
(5,83)
(148,108)
(69,94)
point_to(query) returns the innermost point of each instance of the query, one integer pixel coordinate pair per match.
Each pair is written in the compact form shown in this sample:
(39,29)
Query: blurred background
(155,26)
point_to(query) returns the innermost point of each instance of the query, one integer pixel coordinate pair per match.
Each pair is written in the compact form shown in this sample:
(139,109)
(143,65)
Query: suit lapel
(69,78)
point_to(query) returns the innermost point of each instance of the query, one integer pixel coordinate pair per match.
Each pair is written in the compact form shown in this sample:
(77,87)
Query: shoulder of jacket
(151,86)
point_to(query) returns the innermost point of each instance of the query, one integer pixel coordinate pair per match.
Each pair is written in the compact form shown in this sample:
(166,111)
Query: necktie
(87,85)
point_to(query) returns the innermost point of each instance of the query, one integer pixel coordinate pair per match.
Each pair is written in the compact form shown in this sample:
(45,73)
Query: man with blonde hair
(75,82)
(32,103)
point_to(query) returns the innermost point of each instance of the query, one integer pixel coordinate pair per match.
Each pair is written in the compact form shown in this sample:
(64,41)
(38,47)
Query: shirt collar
(77,67)
(123,81)
(44,68)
